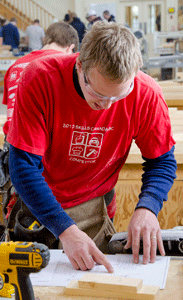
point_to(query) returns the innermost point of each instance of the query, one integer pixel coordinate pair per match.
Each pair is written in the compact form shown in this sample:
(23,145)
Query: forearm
(26,175)
(157,180)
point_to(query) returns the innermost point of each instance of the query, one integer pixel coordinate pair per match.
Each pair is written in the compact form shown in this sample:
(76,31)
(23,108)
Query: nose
(106,104)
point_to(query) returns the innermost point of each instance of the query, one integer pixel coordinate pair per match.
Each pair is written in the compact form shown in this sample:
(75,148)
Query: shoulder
(16,29)
(5,27)
(148,93)
(60,59)
(29,28)
(146,82)
(48,67)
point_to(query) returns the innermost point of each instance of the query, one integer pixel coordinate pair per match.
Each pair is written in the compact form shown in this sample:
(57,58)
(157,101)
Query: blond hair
(62,34)
(112,49)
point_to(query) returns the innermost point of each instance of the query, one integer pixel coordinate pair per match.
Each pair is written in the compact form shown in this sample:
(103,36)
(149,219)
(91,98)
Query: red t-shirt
(12,78)
(83,149)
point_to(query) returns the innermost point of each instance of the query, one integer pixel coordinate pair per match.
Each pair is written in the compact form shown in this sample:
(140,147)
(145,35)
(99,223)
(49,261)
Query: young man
(35,36)
(76,117)
(60,37)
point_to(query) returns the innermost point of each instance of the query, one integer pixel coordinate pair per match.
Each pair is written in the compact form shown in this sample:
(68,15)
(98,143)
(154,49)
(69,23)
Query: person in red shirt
(60,37)
(74,122)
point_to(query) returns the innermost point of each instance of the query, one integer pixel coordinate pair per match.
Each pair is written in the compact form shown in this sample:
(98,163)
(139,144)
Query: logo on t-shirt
(13,76)
(86,145)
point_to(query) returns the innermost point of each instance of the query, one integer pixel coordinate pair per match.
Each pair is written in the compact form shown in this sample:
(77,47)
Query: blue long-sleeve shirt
(26,175)
(10,35)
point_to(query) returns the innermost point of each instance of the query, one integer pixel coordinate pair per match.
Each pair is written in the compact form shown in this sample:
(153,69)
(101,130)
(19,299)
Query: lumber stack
(111,287)
(173,93)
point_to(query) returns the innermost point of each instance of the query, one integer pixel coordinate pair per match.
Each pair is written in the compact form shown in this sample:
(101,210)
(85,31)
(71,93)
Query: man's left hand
(144,224)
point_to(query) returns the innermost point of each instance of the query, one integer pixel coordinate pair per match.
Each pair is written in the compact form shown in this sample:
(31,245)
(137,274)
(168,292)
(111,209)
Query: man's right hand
(82,251)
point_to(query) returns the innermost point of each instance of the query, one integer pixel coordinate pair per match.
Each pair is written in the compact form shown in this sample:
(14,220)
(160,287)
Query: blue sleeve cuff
(59,223)
(157,180)
(150,203)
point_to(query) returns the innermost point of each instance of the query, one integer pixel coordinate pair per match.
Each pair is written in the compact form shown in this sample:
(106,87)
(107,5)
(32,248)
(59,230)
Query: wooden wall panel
(172,213)
(127,197)
(127,192)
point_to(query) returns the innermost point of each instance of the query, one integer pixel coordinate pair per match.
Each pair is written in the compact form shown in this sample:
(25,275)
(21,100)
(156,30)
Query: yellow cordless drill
(17,261)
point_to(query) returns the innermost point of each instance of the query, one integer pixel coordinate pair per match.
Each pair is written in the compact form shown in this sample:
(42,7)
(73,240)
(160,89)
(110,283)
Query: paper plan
(60,272)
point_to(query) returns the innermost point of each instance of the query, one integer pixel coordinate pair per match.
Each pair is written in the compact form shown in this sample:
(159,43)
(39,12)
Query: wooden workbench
(172,291)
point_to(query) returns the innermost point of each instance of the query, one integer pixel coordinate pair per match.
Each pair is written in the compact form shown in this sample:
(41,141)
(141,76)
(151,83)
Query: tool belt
(90,217)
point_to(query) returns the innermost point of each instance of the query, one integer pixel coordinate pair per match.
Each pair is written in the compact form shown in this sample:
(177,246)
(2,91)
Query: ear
(70,49)
(78,64)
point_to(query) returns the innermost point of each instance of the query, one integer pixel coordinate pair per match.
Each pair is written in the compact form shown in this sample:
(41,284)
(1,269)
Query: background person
(34,36)
(109,17)
(75,22)
(74,121)
(2,23)
(60,37)
(10,34)
(92,18)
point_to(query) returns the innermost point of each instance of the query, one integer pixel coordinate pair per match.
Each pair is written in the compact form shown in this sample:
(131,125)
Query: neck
(54,46)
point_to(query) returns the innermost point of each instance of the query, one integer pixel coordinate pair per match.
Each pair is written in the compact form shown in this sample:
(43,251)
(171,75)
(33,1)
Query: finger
(153,241)
(81,263)
(129,239)
(89,262)
(101,259)
(146,246)
(135,245)
(74,263)
(160,243)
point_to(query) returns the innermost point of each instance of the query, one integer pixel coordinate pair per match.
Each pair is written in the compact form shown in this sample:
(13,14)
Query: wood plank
(174,100)
(1,138)
(173,89)
(165,83)
(135,156)
(110,283)
(147,292)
